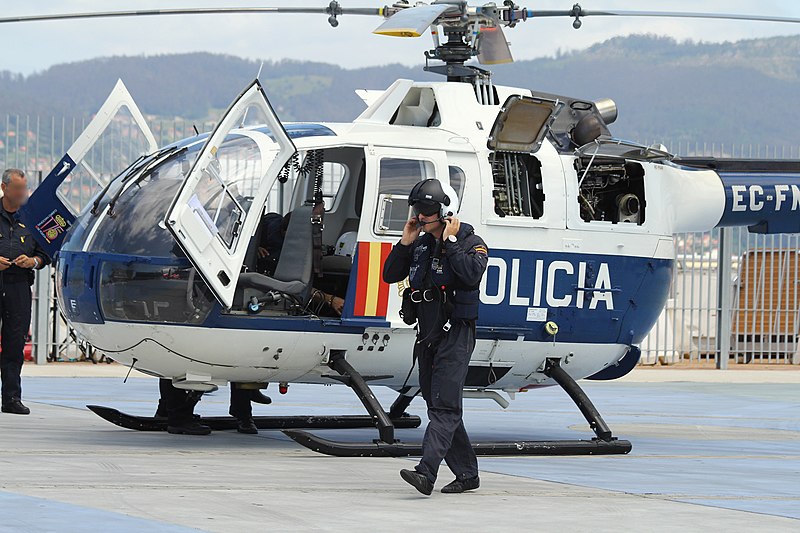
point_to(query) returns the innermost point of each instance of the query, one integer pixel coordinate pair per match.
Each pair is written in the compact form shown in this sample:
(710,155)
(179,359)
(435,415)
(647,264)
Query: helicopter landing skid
(386,446)
(222,423)
(398,449)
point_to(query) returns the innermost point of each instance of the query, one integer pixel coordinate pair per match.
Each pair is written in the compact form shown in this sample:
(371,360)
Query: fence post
(724,297)
(41,313)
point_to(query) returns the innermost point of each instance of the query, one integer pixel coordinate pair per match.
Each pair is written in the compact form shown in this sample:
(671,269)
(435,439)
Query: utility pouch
(408,309)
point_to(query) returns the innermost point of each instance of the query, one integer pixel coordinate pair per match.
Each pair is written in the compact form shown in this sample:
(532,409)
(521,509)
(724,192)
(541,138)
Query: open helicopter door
(52,212)
(221,201)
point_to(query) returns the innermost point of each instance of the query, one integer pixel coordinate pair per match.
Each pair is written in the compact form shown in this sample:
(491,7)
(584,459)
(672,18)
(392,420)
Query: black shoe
(246,425)
(461,485)
(417,480)
(259,397)
(190,427)
(15,406)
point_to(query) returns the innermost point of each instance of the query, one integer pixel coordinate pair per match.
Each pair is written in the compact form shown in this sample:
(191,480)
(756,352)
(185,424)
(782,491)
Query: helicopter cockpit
(124,251)
(335,176)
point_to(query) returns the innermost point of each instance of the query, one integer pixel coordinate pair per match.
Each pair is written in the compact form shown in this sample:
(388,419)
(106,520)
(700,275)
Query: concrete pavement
(706,456)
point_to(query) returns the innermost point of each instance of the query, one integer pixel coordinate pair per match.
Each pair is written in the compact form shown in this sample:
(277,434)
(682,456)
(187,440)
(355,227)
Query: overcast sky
(30,47)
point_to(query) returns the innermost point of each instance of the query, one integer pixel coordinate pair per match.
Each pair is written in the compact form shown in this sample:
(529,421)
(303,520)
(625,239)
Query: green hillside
(742,93)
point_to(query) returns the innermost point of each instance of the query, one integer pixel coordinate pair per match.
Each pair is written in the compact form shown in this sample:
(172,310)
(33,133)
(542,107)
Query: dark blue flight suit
(446,277)
(15,300)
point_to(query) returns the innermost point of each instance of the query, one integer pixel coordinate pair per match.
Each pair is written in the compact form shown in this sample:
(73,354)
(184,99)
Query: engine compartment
(611,190)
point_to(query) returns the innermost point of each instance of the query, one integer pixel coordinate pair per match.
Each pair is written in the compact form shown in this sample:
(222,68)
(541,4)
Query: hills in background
(745,92)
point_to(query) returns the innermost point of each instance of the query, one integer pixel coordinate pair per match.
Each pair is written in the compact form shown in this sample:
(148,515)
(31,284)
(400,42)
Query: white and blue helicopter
(160,271)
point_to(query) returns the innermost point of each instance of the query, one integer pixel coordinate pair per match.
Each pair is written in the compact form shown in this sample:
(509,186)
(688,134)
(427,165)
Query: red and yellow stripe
(372,293)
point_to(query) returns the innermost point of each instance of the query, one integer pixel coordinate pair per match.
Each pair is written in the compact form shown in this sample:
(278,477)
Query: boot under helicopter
(158,271)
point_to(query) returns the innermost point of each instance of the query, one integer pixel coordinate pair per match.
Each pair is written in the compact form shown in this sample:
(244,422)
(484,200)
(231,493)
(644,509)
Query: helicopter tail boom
(760,194)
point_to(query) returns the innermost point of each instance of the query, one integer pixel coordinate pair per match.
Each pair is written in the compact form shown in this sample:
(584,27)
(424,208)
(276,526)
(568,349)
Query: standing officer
(444,266)
(20,255)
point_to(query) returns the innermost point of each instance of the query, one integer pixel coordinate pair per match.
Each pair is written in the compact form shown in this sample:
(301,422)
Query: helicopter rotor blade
(333,10)
(413,21)
(492,46)
(577,13)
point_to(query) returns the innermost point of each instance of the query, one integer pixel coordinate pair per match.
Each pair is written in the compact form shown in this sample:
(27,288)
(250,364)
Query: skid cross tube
(356,381)
(554,370)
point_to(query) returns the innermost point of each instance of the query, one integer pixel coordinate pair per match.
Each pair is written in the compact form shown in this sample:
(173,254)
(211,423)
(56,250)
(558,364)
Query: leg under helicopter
(386,446)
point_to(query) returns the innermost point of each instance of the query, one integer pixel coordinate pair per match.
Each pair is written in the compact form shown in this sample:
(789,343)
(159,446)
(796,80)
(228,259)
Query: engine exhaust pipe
(607,109)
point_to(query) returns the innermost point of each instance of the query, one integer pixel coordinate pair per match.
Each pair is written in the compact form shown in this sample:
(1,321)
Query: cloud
(30,47)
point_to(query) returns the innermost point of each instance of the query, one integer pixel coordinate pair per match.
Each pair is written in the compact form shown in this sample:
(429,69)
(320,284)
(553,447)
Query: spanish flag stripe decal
(361,280)
(383,292)
(374,280)
(372,294)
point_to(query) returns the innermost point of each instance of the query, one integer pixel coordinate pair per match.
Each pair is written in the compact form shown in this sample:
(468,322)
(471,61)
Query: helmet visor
(425,207)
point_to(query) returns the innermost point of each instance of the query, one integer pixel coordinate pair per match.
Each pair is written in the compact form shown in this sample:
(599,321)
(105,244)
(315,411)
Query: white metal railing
(740,305)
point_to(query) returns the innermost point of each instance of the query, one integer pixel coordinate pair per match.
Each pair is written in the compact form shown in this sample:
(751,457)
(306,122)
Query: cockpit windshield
(135,226)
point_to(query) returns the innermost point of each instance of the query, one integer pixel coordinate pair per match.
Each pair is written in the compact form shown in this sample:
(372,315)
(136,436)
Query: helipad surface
(710,451)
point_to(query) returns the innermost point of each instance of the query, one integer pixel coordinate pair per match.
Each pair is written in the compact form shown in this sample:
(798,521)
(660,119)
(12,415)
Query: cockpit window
(136,225)
(457,181)
(397,178)
(334,174)
(142,292)
(226,189)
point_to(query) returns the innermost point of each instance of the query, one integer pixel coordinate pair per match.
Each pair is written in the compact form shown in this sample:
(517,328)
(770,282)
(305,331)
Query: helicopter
(160,271)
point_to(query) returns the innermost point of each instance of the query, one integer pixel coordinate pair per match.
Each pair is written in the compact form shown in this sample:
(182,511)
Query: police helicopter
(160,271)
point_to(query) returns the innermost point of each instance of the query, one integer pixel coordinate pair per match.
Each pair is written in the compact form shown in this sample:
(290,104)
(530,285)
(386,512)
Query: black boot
(417,480)
(189,427)
(246,425)
(461,485)
(15,406)
(259,397)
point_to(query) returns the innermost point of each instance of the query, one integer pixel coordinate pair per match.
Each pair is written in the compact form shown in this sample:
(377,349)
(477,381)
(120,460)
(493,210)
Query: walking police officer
(444,266)
(20,255)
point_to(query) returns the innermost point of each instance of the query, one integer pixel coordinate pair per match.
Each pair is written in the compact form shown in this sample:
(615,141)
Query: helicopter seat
(293,272)
(341,262)
(260,282)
